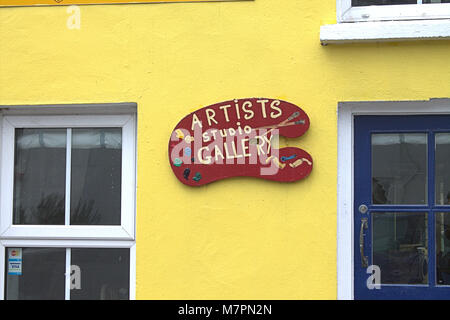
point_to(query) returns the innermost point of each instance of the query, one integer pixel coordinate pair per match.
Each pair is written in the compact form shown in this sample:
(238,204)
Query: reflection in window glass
(96,176)
(399,168)
(41,275)
(442,168)
(400,247)
(39,176)
(104,274)
(443,248)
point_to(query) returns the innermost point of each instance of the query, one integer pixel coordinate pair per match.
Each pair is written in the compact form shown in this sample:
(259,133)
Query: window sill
(385,31)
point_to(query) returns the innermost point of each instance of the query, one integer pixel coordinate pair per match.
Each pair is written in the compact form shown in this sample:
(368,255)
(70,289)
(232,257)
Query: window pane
(104,274)
(39,176)
(400,247)
(41,276)
(443,168)
(399,168)
(443,248)
(96,176)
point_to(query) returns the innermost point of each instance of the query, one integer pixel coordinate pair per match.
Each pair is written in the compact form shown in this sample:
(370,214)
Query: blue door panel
(364,126)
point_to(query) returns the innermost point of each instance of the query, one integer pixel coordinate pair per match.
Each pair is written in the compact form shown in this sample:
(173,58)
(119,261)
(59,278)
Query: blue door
(402,207)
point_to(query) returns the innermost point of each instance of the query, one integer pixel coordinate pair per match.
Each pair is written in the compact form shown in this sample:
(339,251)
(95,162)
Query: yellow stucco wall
(241,238)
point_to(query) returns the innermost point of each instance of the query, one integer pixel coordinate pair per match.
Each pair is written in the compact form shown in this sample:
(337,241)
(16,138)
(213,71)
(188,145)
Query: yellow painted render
(238,238)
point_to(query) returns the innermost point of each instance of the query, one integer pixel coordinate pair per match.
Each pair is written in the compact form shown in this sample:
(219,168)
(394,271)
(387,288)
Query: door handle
(364,259)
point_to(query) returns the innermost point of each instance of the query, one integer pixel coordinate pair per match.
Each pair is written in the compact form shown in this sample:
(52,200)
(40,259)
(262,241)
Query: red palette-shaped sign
(240,138)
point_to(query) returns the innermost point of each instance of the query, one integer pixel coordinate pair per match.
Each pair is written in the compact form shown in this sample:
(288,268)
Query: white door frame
(346,113)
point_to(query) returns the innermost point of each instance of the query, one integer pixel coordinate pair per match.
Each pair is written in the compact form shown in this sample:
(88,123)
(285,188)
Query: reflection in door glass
(39,176)
(443,248)
(443,168)
(399,168)
(400,247)
(36,273)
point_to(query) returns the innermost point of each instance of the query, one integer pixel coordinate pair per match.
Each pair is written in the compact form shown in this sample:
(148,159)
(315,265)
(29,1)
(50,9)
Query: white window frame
(428,11)
(123,232)
(345,184)
(69,244)
(65,236)
(387,23)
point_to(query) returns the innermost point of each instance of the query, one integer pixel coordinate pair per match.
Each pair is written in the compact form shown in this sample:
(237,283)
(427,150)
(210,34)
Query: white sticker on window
(15,261)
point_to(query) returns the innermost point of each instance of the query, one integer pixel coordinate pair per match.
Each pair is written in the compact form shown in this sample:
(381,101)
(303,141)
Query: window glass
(39,176)
(399,168)
(400,247)
(443,248)
(104,274)
(96,176)
(442,169)
(38,275)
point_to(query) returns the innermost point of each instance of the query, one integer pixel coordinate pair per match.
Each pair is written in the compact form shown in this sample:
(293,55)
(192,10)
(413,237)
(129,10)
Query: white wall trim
(2,273)
(385,31)
(346,112)
(345,203)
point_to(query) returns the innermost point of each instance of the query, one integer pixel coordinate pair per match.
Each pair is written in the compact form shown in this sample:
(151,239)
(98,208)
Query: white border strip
(345,204)
(67,274)
(346,113)
(2,271)
(132,291)
(68,175)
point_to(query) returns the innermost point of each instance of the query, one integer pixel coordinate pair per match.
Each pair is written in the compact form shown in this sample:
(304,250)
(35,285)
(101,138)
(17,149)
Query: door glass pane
(400,247)
(104,274)
(39,176)
(399,168)
(443,248)
(96,176)
(35,273)
(443,168)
